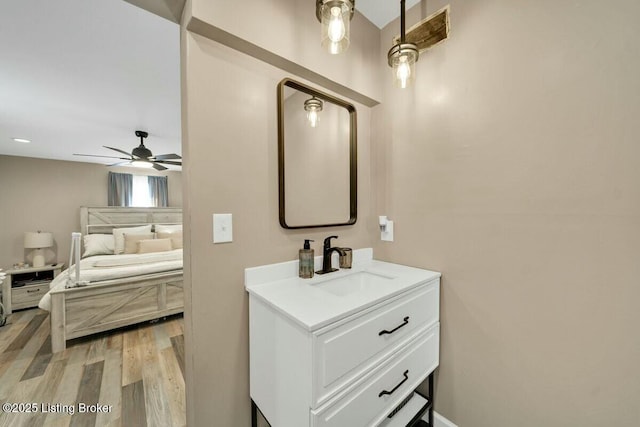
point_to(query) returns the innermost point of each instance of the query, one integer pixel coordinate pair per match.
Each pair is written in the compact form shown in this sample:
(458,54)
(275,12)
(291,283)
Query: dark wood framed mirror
(317,158)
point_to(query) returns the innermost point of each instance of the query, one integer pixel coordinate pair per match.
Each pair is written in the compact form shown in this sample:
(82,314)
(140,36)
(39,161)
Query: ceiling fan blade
(158,167)
(107,157)
(119,164)
(167,157)
(121,151)
(168,162)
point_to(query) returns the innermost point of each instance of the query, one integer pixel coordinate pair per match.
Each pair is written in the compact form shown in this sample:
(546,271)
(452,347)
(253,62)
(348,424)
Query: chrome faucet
(327,250)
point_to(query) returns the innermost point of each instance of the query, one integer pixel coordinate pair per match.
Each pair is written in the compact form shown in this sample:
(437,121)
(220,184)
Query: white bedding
(105,267)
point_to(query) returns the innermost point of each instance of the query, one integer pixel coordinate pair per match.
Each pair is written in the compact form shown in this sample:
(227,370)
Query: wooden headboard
(94,220)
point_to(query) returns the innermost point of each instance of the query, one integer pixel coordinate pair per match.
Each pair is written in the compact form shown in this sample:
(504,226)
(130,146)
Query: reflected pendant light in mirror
(335,17)
(313,106)
(403,57)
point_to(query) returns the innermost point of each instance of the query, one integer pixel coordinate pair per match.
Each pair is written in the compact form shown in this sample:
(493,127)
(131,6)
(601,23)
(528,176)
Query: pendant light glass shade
(335,17)
(313,106)
(402,59)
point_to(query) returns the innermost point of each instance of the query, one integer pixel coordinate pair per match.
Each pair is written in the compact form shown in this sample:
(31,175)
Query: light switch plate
(387,235)
(222,228)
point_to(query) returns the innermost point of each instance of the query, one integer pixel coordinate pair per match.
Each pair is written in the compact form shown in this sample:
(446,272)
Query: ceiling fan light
(335,18)
(142,164)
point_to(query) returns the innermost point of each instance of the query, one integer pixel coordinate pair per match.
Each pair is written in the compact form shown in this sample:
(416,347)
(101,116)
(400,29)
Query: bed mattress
(99,268)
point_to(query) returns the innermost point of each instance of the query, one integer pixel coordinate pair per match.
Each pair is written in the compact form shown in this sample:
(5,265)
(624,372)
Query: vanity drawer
(377,394)
(28,296)
(349,350)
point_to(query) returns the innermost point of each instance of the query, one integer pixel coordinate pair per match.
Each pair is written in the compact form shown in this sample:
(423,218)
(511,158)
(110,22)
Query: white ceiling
(381,12)
(79,74)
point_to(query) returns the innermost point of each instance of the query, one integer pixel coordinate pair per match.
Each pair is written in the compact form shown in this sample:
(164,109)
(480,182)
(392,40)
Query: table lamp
(38,240)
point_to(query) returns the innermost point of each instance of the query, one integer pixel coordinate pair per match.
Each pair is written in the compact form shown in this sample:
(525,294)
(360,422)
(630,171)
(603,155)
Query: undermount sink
(355,282)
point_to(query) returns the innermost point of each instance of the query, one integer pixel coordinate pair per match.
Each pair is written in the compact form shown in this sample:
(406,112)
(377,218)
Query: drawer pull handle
(30,291)
(406,377)
(406,322)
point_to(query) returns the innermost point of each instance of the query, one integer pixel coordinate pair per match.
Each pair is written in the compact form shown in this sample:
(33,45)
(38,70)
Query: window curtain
(158,191)
(120,189)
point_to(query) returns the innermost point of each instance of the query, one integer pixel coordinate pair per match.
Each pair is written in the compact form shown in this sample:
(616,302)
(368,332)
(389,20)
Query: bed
(120,292)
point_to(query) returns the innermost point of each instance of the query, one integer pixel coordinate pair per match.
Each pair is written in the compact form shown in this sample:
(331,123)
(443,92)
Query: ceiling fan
(141,156)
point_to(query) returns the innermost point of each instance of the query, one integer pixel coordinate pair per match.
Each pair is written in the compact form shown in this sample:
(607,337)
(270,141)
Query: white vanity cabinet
(347,363)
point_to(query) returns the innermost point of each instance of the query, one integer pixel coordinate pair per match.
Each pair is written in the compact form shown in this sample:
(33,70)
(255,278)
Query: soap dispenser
(305,269)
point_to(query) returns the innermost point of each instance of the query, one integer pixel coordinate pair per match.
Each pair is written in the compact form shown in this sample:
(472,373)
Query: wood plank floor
(135,375)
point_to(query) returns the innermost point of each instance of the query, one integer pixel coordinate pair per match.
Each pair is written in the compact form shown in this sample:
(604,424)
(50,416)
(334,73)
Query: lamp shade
(37,239)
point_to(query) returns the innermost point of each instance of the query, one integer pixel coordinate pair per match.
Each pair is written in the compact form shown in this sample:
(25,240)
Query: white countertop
(307,303)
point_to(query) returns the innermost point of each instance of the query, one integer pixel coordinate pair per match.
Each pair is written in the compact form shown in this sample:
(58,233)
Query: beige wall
(40,194)
(230,145)
(286,33)
(512,167)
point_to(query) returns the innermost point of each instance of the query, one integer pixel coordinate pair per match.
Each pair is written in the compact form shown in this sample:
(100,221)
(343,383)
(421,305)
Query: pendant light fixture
(403,56)
(335,17)
(313,106)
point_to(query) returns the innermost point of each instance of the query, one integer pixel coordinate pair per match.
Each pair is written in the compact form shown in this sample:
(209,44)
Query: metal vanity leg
(254,414)
(431,399)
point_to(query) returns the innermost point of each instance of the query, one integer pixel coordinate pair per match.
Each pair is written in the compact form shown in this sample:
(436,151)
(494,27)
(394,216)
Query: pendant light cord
(402,34)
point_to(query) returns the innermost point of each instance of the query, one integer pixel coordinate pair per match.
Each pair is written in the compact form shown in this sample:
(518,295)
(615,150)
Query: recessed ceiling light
(24,141)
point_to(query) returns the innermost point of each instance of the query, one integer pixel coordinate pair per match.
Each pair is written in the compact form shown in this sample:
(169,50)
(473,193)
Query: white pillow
(98,244)
(118,234)
(168,228)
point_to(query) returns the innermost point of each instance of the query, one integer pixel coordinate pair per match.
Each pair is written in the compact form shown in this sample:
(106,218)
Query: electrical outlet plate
(387,235)
(222,228)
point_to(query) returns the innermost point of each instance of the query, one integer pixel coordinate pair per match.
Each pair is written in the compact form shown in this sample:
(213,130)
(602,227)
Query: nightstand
(24,287)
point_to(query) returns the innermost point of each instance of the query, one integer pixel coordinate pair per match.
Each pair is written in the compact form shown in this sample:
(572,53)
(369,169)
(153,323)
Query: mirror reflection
(317,158)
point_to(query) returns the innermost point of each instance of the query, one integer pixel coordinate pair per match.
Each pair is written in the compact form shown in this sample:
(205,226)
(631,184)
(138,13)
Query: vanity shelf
(343,350)
(411,413)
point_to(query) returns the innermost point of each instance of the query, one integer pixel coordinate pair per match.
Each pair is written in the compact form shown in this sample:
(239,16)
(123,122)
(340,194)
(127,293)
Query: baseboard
(440,421)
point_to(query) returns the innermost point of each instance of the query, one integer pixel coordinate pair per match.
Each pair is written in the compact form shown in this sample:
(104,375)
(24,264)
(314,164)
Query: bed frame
(111,304)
